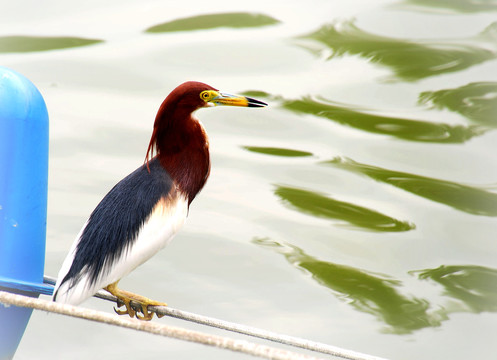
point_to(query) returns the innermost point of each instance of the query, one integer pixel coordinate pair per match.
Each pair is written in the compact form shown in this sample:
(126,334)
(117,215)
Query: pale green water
(359,209)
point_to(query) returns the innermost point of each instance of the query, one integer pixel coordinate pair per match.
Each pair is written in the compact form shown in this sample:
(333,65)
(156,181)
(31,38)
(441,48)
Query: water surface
(358,209)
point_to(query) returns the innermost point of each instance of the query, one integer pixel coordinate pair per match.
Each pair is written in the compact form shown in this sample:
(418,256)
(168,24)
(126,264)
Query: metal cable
(246,330)
(241,346)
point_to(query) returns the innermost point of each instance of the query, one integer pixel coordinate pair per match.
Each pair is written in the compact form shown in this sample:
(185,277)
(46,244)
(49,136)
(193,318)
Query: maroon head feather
(180,141)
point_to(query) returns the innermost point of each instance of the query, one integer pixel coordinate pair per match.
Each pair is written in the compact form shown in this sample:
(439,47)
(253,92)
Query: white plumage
(163,223)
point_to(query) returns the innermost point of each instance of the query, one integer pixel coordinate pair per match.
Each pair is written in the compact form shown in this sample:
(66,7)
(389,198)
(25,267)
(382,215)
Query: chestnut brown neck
(182,149)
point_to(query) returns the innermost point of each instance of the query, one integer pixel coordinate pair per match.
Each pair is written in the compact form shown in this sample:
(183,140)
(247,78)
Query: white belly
(165,220)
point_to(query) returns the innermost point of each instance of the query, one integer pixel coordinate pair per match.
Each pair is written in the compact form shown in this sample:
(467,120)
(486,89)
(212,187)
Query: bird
(141,214)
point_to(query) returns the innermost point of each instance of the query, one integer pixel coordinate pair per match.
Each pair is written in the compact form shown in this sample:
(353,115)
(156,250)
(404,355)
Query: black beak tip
(255,103)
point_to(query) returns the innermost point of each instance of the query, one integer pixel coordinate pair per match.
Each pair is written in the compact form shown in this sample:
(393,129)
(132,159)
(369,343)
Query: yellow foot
(125,298)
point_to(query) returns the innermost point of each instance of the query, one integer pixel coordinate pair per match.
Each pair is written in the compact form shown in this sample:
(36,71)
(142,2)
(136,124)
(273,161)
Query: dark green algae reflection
(402,128)
(275,151)
(410,60)
(406,129)
(464,6)
(367,292)
(466,198)
(476,101)
(16,44)
(211,21)
(318,205)
(475,287)
(467,288)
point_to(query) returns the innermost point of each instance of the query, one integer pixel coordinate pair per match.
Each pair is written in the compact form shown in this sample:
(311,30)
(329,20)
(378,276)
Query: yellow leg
(125,298)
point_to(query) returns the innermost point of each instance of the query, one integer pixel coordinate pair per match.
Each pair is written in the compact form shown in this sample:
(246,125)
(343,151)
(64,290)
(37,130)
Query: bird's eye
(205,95)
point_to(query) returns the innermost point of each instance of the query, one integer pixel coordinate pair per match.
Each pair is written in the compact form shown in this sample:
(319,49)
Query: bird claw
(125,298)
(147,316)
(129,309)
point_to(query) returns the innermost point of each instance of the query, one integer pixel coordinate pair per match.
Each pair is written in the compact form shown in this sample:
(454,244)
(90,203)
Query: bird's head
(193,95)
(174,117)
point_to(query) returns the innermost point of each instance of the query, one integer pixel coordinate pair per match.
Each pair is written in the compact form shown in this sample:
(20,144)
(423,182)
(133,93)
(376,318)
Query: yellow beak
(236,100)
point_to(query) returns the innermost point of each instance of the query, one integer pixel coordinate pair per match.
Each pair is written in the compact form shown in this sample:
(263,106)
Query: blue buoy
(23,200)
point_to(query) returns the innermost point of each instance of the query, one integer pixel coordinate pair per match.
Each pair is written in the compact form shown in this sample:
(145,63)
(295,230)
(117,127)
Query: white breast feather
(165,220)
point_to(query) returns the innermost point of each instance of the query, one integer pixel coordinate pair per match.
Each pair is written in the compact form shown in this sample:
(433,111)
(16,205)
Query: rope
(153,328)
(245,330)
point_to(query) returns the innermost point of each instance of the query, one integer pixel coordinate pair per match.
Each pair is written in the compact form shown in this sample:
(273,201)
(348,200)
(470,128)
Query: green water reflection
(367,292)
(465,6)
(467,288)
(474,286)
(410,60)
(407,129)
(277,151)
(476,101)
(12,44)
(210,21)
(466,198)
(320,206)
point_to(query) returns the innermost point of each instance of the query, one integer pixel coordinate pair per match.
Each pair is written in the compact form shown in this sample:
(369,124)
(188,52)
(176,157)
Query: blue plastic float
(23,200)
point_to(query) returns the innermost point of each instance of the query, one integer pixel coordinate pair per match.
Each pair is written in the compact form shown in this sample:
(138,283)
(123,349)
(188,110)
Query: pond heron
(141,214)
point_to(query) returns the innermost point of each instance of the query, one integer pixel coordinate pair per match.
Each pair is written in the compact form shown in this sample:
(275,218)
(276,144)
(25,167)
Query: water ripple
(277,151)
(469,288)
(409,59)
(407,129)
(17,44)
(367,292)
(466,198)
(315,204)
(211,21)
(464,6)
(477,101)
(474,286)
